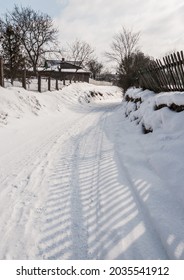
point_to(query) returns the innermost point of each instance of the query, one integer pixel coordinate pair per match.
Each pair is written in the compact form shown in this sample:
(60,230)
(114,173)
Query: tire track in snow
(86,207)
(64,232)
(122,229)
(92,213)
(22,198)
(71,187)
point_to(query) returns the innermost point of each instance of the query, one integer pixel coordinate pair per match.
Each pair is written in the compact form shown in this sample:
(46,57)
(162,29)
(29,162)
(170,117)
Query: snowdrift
(155,111)
(17,103)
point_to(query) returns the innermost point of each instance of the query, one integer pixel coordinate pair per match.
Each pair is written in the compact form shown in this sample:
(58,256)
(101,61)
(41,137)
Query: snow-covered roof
(74,71)
(63,63)
(65,66)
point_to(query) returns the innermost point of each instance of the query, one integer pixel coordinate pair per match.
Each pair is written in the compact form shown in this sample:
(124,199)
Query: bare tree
(94,67)
(80,51)
(129,59)
(11,49)
(123,45)
(36,32)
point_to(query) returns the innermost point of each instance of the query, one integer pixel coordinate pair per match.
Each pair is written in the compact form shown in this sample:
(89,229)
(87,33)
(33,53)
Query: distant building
(66,70)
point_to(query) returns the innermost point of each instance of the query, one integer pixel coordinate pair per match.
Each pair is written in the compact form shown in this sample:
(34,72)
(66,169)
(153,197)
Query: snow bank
(17,103)
(155,111)
(100,83)
(163,154)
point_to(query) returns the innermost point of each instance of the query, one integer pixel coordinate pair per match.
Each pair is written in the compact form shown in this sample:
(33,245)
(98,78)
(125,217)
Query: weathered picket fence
(164,75)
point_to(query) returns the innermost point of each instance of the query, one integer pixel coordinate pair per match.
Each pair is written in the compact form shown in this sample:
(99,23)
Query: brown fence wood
(57,85)
(49,83)
(165,75)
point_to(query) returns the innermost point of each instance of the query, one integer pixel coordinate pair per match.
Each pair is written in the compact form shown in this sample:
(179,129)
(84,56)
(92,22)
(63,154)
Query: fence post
(57,87)
(1,72)
(49,79)
(24,78)
(39,83)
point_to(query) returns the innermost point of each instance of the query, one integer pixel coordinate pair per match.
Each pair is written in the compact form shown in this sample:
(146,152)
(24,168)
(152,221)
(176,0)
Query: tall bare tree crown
(123,45)
(80,51)
(35,30)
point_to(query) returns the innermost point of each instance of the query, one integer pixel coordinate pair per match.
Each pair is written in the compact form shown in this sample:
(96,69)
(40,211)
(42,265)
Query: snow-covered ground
(80,180)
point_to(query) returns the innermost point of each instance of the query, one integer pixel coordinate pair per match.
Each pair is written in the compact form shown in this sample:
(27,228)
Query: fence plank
(157,77)
(39,83)
(1,72)
(158,66)
(177,72)
(182,61)
(174,76)
(24,79)
(49,83)
(57,86)
(169,77)
(167,85)
(179,60)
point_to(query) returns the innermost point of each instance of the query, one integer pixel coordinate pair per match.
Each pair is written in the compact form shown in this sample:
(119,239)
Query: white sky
(161,22)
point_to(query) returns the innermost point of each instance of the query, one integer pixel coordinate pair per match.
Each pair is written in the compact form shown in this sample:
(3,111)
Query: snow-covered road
(81,186)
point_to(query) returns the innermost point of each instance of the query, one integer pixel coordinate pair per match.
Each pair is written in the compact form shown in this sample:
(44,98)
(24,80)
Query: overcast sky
(161,22)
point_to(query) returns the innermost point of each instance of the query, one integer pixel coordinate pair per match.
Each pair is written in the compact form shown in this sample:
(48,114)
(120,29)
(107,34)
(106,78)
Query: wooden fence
(44,79)
(166,75)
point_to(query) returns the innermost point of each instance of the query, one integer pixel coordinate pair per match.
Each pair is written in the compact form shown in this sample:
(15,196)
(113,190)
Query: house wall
(75,76)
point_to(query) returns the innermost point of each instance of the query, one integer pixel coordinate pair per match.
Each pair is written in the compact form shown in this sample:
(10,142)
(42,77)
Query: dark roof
(77,63)
(64,64)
